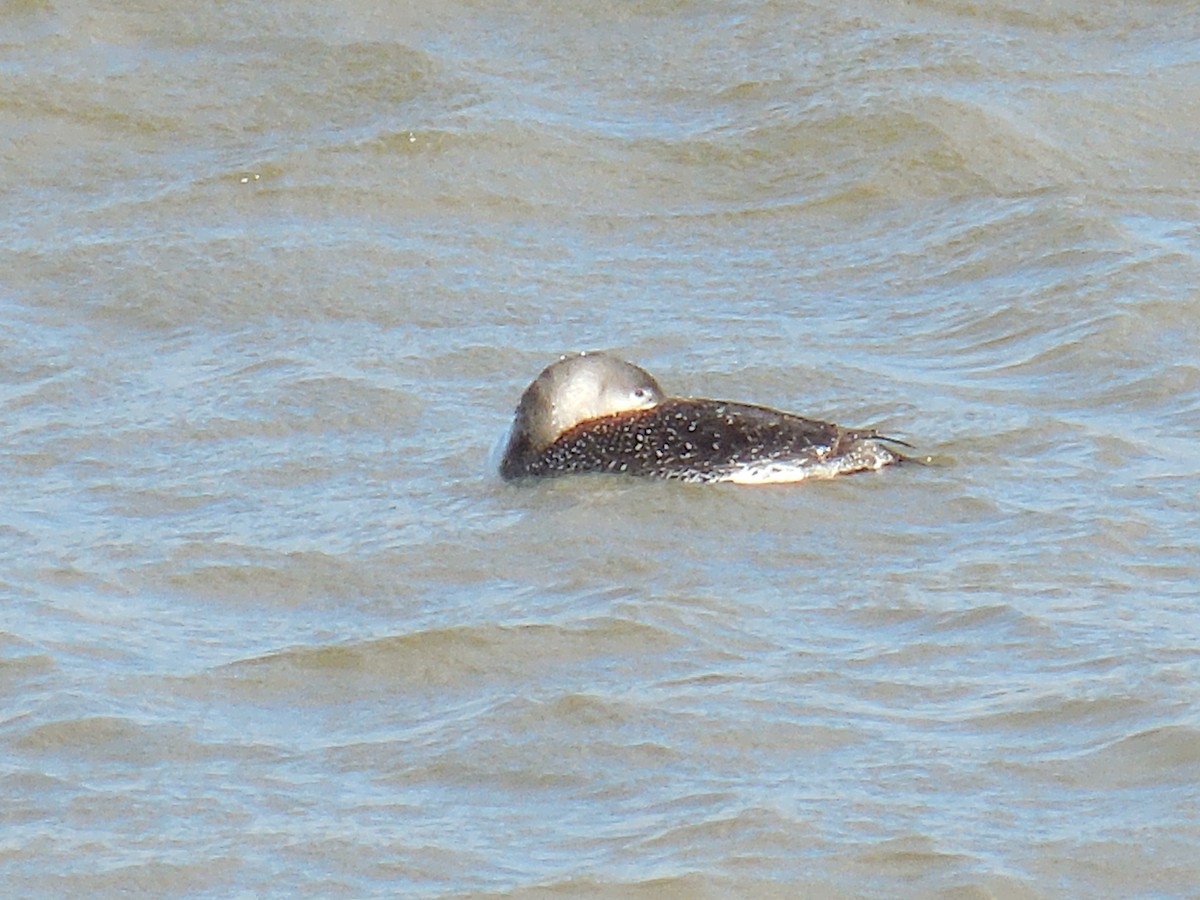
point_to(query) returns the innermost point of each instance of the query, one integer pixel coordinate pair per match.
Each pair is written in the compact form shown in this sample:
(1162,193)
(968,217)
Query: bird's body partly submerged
(591,412)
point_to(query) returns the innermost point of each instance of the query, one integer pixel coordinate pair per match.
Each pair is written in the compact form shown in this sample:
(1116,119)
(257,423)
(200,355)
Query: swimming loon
(592,412)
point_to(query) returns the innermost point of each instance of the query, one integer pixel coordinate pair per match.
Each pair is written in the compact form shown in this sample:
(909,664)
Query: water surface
(275,278)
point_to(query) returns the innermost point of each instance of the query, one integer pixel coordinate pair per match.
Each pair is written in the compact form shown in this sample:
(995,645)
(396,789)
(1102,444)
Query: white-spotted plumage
(591,412)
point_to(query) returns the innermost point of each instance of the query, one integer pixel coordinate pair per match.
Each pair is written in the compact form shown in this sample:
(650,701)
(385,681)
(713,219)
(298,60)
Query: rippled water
(275,276)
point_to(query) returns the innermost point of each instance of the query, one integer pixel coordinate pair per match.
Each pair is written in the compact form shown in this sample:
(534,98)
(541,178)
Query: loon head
(577,388)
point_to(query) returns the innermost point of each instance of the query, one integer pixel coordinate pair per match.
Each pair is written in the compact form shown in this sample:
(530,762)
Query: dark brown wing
(690,439)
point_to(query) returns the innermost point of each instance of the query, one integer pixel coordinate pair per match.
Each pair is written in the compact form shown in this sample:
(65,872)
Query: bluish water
(275,278)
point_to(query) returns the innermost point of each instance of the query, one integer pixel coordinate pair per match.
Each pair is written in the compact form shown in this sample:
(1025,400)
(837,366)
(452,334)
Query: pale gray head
(580,387)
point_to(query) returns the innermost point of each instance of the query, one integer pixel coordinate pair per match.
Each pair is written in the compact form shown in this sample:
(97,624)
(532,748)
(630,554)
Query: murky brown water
(275,276)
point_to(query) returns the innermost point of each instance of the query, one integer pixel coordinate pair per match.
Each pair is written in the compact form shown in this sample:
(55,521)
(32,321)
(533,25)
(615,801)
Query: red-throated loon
(592,412)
